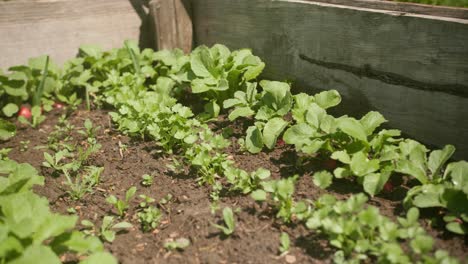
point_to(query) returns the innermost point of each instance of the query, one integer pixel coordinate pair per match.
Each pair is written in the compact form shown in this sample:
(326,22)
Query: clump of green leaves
(31,232)
(122,205)
(108,228)
(147,180)
(149,218)
(90,131)
(81,184)
(36,117)
(7,130)
(245,182)
(179,243)
(229,223)
(285,243)
(360,231)
(281,192)
(34,84)
(274,103)
(219,73)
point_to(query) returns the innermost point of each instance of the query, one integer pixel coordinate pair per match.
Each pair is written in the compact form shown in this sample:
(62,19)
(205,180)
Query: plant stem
(40,89)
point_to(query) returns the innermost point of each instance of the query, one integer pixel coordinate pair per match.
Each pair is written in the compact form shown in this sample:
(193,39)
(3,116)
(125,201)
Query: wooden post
(172,23)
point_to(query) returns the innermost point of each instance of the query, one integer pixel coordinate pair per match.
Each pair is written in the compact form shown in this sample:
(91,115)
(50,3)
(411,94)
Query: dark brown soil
(188,215)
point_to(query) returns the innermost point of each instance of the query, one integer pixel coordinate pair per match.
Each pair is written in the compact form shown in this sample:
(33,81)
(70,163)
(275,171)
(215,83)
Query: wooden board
(173,25)
(412,68)
(403,7)
(58,28)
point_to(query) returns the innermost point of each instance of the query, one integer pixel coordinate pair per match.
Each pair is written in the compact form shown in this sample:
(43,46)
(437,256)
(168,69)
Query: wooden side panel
(172,23)
(403,7)
(412,68)
(58,28)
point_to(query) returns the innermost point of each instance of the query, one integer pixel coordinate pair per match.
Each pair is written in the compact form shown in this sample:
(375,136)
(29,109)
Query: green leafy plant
(31,232)
(108,228)
(149,218)
(7,130)
(275,102)
(282,195)
(4,153)
(450,191)
(80,185)
(56,161)
(230,225)
(179,243)
(219,73)
(147,180)
(24,145)
(245,182)
(90,131)
(146,200)
(285,243)
(360,232)
(122,205)
(36,119)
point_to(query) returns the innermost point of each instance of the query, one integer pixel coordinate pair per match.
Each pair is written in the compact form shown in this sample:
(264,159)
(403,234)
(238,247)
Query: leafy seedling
(149,218)
(122,205)
(285,243)
(108,228)
(83,183)
(178,244)
(166,199)
(146,200)
(147,180)
(90,130)
(228,217)
(24,145)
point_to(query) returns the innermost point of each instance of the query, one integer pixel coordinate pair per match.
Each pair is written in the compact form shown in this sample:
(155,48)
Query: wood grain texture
(412,68)
(58,28)
(173,24)
(404,7)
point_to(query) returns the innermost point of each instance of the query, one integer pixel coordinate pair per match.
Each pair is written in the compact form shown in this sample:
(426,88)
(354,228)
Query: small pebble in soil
(290,259)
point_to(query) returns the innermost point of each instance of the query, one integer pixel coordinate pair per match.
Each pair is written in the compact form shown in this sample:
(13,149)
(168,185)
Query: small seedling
(108,228)
(228,217)
(4,153)
(146,200)
(147,180)
(84,183)
(55,161)
(90,131)
(71,210)
(166,199)
(149,218)
(179,244)
(122,205)
(122,149)
(285,243)
(24,145)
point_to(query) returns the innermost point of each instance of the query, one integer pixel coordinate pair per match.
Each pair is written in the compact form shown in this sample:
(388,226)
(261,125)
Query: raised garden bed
(194,167)
(165,157)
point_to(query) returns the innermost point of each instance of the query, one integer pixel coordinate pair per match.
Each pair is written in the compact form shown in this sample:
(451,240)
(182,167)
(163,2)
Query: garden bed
(181,158)
(188,215)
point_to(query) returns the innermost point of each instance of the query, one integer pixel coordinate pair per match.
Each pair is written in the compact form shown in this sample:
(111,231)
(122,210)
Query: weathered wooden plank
(58,28)
(412,68)
(404,7)
(172,23)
